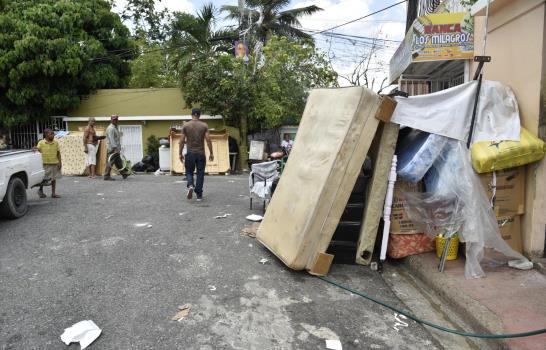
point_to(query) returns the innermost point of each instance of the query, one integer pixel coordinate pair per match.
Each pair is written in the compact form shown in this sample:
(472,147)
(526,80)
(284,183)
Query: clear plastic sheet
(456,201)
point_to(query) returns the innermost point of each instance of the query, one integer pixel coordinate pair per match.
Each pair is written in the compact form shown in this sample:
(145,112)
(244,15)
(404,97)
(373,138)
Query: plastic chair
(261,179)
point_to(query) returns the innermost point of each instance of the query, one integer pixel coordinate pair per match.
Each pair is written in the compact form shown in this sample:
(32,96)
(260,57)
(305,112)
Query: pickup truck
(19,171)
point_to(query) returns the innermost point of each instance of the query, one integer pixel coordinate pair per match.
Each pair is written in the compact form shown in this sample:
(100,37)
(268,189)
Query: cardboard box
(386,108)
(509,192)
(510,229)
(400,221)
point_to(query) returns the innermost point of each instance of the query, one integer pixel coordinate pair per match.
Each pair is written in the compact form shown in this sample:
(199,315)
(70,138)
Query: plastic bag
(455,188)
(493,156)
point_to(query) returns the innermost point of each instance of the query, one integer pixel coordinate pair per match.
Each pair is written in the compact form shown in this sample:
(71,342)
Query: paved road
(82,257)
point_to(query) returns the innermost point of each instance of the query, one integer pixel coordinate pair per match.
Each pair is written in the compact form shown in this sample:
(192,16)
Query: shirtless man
(90,145)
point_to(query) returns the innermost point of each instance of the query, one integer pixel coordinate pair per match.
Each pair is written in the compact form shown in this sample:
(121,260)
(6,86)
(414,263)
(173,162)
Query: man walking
(194,134)
(114,149)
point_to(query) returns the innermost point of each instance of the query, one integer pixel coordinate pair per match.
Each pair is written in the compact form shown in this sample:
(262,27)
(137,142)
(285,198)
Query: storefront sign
(435,37)
(443,36)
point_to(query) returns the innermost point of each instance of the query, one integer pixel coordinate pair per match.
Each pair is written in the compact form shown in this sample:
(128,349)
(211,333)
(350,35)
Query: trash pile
(438,199)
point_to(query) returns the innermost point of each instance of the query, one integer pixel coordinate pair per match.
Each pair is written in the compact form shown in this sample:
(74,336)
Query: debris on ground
(181,214)
(255,218)
(333,344)
(251,230)
(100,194)
(400,321)
(108,217)
(184,311)
(222,216)
(143,224)
(264,261)
(83,332)
(212,288)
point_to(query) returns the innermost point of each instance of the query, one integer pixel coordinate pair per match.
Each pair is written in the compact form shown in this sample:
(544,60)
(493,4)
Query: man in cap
(114,148)
(194,134)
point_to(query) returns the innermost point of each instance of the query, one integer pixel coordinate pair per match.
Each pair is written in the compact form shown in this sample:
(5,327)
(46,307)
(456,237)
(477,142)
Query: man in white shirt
(287,143)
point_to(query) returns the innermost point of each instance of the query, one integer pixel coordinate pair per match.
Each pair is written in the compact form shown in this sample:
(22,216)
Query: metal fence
(415,87)
(27,136)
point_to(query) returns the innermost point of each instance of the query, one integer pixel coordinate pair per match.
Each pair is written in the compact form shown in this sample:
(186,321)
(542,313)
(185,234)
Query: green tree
(152,68)
(248,99)
(268,18)
(283,83)
(147,21)
(54,51)
(195,36)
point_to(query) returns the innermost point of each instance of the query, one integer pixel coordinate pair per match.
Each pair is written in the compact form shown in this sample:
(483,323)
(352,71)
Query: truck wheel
(14,204)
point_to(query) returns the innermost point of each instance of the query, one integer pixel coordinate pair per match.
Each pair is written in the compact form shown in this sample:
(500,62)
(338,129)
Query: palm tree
(194,36)
(268,18)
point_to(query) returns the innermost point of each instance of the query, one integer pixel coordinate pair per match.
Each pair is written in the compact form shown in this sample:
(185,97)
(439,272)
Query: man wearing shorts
(90,144)
(194,134)
(51,158)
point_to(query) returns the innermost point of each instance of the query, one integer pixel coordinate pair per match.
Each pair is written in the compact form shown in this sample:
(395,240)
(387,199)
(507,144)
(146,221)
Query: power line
(316,31)
(358,19)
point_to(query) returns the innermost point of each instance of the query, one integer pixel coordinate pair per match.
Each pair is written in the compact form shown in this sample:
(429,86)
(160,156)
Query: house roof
(145,104)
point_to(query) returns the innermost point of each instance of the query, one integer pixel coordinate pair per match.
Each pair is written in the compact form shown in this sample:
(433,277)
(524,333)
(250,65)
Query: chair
(261,179)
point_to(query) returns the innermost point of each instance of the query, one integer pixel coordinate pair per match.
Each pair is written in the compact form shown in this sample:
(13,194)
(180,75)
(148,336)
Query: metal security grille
(415,87)
(27,136)
(131,142)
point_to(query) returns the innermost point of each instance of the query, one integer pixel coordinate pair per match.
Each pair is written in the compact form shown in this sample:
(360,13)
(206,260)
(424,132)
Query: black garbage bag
(139,167)
(148,160)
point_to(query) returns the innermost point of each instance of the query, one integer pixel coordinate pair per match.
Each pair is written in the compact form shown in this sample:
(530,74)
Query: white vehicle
(19,171)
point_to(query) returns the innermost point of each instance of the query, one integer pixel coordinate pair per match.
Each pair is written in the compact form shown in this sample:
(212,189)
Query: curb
(478,317)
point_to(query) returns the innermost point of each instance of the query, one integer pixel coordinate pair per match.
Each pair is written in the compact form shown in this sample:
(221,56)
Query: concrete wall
(515,42)
(135,102)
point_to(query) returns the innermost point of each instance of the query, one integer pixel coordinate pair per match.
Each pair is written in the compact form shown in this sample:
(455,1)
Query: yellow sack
(491,156)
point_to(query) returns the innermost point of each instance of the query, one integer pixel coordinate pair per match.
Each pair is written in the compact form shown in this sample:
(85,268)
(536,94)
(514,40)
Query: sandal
(41,194)
(55,196)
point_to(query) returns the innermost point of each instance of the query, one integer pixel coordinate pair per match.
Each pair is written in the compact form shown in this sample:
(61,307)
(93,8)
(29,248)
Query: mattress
(334,136)
(416,153)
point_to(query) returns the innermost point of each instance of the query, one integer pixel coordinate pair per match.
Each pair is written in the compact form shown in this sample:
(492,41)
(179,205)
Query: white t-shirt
(287,144)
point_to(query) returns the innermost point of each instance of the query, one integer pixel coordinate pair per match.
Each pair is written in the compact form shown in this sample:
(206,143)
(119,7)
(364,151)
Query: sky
(344,54)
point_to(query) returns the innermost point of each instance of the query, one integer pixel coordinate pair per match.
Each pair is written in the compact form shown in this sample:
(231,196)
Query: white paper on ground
(333,344)
(521,264)
(449,112)
(254,217)
(83,332)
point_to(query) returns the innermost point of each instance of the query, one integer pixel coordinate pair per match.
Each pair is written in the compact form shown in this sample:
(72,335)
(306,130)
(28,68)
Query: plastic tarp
(449,112)
(455,202)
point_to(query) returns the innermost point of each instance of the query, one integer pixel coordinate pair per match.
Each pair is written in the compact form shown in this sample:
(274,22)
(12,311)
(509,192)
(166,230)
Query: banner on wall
(443,36)
(435,37)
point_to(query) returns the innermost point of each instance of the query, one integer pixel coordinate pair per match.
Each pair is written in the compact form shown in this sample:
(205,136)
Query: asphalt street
(126,254)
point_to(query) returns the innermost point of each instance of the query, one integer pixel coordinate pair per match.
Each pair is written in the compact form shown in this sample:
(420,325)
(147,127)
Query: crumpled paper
(83,332)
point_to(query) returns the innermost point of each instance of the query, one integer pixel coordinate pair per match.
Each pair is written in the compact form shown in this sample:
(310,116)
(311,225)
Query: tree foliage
(276,90)
(195,36)
(268,17)
(54,51)
(146,19)
(152,68)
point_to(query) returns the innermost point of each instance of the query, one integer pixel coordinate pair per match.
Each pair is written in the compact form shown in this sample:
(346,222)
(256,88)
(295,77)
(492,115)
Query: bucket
(452,250)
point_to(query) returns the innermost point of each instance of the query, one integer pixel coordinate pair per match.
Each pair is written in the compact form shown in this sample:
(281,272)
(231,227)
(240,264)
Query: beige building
(516,34)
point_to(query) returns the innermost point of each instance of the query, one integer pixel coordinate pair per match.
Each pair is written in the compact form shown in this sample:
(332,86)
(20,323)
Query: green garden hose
(432,325)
